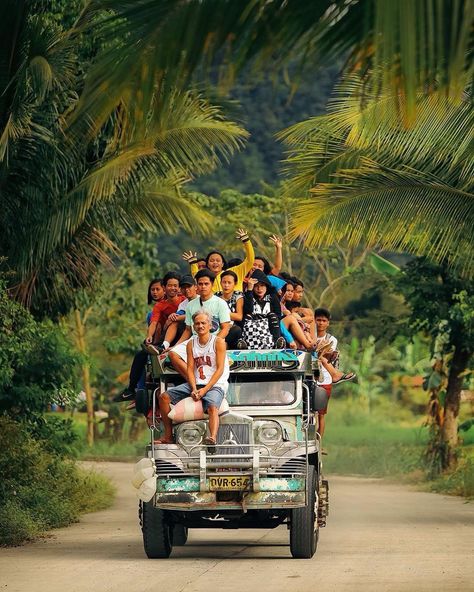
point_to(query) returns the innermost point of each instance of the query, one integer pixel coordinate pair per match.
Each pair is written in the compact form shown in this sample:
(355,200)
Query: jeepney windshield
(261,389)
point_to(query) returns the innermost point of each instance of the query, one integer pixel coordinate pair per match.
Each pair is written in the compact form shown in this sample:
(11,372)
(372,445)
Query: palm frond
(394,209)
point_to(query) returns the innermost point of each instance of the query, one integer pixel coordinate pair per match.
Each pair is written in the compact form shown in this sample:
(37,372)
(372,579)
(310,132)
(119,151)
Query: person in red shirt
(158,325)
(162,310)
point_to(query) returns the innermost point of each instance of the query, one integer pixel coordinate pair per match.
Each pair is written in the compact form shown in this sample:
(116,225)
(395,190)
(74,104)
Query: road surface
(380,537)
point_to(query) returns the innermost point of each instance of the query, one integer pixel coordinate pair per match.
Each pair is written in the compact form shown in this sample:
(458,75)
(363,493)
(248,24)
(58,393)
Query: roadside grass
(389,443)
(40,490)
(378,443)
(119,448)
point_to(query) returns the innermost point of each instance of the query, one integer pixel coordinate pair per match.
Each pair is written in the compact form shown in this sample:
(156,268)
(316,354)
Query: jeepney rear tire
(304,530)
(180,535)
(156,532)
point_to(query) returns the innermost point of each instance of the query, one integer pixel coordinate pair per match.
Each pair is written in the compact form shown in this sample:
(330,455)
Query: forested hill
(265,108)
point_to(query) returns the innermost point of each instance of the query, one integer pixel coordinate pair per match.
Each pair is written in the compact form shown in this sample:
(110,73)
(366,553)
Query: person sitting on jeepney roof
(262,312)
(176,319)
(298,338)
(235,302)
(305,315)
(162,310)
(216,262)
(218,310)
(155,294)
(207,374)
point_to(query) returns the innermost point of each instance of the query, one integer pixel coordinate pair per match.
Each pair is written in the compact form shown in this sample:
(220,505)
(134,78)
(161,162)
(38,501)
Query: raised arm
(246,265)
(191,258)
(278,264)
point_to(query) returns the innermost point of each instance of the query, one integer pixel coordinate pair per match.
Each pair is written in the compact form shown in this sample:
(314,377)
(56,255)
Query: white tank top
(205,363)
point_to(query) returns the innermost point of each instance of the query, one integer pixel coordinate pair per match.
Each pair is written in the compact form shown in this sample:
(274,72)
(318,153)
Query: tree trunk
(451,406)
(81,342)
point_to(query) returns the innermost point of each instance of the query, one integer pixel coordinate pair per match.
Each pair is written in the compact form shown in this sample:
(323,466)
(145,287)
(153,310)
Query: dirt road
(379,537)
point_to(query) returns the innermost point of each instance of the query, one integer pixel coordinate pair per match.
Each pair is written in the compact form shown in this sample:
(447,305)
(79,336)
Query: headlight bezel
(199,428)
(263,432)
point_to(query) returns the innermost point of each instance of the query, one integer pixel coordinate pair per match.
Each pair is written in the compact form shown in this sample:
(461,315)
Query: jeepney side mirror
(318,397)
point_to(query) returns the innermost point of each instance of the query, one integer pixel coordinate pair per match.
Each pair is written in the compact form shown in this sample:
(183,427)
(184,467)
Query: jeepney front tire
(156,532)
(304,531)
(180,535)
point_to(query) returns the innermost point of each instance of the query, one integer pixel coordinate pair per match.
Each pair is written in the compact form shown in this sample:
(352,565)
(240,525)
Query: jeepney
(265,470)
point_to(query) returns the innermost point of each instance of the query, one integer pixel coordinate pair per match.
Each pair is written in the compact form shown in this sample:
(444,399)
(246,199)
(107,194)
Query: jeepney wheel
(304,530)
(156,532)
(180,535)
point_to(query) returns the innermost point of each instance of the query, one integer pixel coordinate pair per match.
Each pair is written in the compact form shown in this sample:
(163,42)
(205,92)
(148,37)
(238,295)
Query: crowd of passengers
(253,305)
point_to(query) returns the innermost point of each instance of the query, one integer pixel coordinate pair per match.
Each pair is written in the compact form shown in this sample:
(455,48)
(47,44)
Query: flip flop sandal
(344,377)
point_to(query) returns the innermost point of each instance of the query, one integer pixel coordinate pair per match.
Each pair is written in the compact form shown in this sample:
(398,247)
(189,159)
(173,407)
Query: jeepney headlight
(268,432)
(190,434)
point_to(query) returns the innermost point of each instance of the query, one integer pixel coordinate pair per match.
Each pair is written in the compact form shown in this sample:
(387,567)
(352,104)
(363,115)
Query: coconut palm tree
(65,196)
(405,46)
(369,179)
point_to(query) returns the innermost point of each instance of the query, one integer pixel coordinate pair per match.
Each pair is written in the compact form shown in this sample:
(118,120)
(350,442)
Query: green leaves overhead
(373,180)
(68,193)
(406,46)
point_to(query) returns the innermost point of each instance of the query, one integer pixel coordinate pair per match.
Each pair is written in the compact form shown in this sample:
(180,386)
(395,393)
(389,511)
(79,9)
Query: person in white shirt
(326,345)
(207,375)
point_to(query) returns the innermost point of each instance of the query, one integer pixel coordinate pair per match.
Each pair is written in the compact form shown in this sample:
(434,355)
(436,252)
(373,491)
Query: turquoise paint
(255,356)
(191,484)
(299,430)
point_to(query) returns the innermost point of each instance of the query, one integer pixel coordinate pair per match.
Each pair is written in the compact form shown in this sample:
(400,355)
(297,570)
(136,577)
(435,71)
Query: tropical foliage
(441,306)
(422,45)
(372,180)
(66,196)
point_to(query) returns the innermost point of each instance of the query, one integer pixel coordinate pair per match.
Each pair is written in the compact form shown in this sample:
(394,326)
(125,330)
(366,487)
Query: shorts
(180,349)
(213,397)
(328,389)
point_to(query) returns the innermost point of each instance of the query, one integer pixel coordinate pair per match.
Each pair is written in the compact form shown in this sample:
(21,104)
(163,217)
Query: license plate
(228,483)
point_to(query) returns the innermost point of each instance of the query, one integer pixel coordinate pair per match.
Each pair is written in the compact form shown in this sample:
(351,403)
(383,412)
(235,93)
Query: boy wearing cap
(175,325)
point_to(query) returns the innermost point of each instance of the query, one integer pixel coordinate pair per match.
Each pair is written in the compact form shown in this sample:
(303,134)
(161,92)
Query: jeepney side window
(265,389)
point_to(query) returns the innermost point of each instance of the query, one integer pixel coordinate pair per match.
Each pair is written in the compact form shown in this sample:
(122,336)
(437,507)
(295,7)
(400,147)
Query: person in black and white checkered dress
(262,312)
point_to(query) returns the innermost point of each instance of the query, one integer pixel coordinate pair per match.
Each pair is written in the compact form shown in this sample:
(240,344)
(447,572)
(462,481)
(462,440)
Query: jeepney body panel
(263,447)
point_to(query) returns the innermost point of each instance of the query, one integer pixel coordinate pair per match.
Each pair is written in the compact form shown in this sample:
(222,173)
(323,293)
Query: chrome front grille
(236,435)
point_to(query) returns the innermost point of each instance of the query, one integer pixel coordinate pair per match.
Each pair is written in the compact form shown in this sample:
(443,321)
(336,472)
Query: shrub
(40,489)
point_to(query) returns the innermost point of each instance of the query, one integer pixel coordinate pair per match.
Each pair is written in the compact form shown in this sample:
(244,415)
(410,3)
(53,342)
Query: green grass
(106,448)
(389,443)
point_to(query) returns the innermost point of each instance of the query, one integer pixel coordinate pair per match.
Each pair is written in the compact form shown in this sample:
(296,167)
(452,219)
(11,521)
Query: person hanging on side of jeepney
(159,315)
(216,262)
(328,355)
(271,271)
(218,310)
(175,324)
(302,313)
(207,375)
(235,302)
(262,312)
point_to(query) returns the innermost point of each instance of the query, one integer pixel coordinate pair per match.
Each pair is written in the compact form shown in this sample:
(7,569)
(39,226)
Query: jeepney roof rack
(269,360)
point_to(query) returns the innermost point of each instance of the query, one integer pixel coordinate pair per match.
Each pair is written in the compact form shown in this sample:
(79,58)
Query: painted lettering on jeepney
(284,360)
